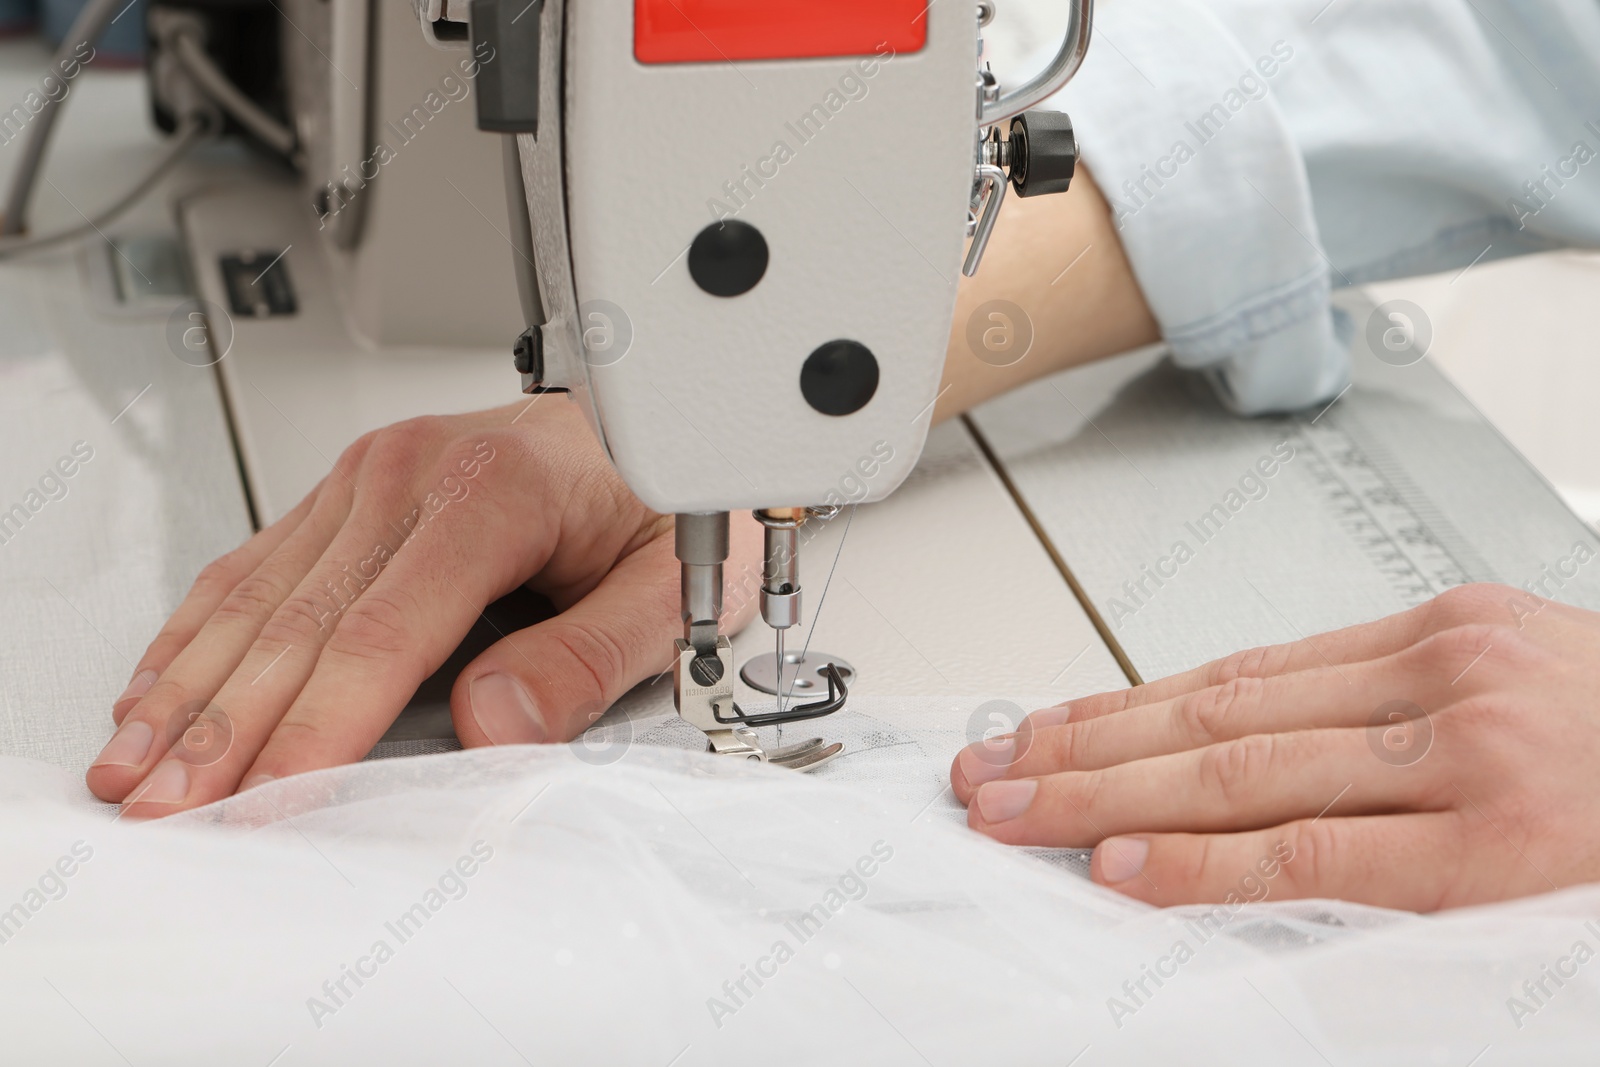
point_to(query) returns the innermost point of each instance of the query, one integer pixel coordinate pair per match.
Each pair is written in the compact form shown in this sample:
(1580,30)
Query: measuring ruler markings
(1383,518)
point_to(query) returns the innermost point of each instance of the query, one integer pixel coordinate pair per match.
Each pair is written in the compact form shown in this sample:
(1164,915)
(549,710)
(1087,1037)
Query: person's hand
(1440,757)
(298,649)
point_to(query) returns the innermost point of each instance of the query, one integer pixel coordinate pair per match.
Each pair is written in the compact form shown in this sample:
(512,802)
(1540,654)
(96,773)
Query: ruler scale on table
(1397,493)
(1381,514)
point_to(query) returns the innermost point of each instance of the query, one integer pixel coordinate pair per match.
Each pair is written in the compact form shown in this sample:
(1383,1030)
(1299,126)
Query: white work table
(961,583)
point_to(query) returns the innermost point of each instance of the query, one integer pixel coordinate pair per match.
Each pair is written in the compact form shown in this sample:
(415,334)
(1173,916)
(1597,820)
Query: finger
(550,681)
(423,604)
(1412,861)
(1353,644)
(397,634)
(1253,782)
(214,582)
(205,664)
(373,634)
(1323,697)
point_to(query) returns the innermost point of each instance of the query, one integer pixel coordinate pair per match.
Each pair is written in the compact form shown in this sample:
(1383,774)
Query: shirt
(1258,153)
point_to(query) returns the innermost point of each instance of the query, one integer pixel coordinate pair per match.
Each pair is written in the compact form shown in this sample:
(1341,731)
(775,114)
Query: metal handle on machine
(993,183)
(1050,80)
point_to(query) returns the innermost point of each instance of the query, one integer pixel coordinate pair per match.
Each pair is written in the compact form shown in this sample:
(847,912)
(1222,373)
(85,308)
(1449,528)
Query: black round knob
(728,258)
(1044,153)
(839,377)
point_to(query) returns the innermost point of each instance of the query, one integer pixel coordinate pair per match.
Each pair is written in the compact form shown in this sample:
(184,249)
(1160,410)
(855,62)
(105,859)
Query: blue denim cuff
(1179,126)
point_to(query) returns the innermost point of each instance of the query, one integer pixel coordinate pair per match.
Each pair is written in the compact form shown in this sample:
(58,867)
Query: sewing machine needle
(781,691)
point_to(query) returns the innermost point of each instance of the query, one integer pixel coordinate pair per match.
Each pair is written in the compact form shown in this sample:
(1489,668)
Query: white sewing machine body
(726,207)
(855,166)
(850,172)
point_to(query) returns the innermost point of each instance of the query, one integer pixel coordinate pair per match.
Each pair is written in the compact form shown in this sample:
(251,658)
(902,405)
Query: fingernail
(1057,716)
(138,687)
(1004,800)
(1122,858)
(167,784)
(984,761)
(255,780)
(504,711)
(129,746)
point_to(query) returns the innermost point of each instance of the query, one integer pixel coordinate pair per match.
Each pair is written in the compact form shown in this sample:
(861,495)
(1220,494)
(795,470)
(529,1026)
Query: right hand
(298,649)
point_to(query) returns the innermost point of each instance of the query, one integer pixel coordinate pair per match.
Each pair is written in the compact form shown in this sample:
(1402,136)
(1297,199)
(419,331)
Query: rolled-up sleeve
(1258,153)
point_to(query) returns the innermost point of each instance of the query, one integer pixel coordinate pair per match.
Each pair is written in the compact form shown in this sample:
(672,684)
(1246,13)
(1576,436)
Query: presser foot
(704,696)
(803,756)
(807,755)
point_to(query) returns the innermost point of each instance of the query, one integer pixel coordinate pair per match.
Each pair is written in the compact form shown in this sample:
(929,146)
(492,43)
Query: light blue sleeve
(1258,153)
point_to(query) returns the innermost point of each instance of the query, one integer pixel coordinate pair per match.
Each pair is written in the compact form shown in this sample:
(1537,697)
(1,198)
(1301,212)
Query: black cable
(184,139)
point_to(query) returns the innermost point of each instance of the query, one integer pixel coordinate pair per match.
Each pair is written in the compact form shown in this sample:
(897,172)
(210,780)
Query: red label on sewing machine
(713,31)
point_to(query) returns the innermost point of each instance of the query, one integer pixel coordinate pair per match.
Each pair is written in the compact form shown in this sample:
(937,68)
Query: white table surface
(91,577)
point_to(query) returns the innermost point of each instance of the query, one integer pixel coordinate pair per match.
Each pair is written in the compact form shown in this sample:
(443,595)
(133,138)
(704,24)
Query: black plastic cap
(839,377)
(1044,153)
(728,258)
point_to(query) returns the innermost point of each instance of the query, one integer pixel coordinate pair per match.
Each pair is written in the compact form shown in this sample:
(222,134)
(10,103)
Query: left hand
(1307,770)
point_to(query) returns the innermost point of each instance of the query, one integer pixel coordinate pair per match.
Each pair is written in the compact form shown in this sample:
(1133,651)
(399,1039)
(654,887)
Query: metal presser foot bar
(703,675)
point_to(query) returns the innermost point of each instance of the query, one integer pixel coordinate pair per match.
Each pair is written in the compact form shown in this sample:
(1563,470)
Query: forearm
(1058,261)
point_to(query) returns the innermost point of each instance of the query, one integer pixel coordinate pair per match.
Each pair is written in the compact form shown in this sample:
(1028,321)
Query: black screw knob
(728,258)
(1044,153)
(839,377)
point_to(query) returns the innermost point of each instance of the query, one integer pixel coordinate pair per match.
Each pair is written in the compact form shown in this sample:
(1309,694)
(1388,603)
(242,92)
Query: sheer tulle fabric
(629,901)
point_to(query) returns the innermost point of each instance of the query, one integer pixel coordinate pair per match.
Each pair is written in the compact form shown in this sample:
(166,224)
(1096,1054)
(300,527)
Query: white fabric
(609,902)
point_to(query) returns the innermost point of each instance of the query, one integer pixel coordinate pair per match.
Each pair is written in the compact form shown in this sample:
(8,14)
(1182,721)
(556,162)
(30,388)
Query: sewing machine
(710,271)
